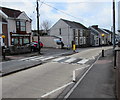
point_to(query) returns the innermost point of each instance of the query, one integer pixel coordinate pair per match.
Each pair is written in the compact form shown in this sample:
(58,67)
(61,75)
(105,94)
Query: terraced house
(18,26)
(98,40)
(70,31)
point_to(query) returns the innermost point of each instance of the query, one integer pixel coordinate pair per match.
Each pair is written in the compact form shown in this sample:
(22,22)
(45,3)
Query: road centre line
(69,93)
(47,94)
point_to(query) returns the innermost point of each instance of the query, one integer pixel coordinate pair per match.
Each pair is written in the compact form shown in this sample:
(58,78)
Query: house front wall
(24,17)
(69,34)
(11,28)
(61,29)
(24,38)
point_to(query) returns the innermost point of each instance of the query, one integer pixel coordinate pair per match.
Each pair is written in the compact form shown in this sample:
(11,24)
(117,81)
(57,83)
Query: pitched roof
(11,12)
(94,30)
(108,31)
(99,29)
(74,24)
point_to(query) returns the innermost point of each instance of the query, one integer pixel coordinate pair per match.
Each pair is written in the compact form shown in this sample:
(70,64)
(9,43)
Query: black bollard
(102,53)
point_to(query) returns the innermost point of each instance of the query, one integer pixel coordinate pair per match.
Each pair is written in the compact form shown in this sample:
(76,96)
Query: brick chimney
(95,26)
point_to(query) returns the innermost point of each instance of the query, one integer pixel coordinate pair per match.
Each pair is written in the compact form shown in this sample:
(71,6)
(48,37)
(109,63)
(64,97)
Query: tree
(46,25)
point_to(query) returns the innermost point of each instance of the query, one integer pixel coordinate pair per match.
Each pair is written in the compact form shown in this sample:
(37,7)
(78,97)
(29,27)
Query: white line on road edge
(74,75)
(47,94)
(69,93)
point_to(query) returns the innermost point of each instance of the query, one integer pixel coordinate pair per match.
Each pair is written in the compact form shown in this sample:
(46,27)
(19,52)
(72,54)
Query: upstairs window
(60,31)
(20,26)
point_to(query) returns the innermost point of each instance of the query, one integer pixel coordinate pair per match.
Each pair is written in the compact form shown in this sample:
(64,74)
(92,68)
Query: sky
(86,12)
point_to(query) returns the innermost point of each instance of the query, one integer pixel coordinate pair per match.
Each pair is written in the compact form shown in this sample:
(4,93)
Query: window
(73,34)
(16,41)
(81,40)
(78,32)
(21,26)
(81,33)
(60,31)
(26,40)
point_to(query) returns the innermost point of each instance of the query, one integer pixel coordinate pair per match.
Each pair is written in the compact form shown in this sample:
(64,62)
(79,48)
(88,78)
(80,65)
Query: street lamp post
(38,27)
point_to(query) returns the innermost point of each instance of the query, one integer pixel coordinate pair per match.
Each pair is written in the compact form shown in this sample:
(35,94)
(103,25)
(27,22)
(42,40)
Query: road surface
(39,81)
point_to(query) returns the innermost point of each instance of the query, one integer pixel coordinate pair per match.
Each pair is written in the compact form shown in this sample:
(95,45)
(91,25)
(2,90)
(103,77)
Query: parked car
(34,45)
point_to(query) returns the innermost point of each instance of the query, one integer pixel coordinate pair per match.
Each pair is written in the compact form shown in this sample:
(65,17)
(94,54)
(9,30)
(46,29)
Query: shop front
(20,39)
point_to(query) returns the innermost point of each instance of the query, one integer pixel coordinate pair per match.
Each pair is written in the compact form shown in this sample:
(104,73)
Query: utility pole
(113,24)
(38,27)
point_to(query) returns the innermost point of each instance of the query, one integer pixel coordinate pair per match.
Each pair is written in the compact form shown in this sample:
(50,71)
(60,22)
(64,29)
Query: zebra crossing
(37,58)
(63,59)
(71,60)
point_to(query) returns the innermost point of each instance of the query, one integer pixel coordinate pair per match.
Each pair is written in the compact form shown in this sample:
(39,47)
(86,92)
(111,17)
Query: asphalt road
(41,80)
(24,61)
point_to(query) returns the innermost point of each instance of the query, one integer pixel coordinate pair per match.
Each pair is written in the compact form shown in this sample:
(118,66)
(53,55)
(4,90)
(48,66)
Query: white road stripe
(74,72)
(28,58)
(47,94)
(39,58)
(82,61)
(47,58)
(58,59)
(70,60)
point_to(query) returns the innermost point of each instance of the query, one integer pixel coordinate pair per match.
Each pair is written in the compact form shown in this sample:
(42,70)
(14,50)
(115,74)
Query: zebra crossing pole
(102,44)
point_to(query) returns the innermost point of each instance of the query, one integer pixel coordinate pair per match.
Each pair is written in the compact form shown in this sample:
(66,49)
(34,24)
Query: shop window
(20,41)
(26,40)
(16,41)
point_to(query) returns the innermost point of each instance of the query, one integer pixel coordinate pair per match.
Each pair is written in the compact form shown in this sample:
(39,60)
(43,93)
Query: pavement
(99,82)
(118,72)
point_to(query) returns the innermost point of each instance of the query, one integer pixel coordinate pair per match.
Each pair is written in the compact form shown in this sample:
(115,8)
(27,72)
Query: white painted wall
(11,25)
(66,32)
(23,16)
(47,41)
